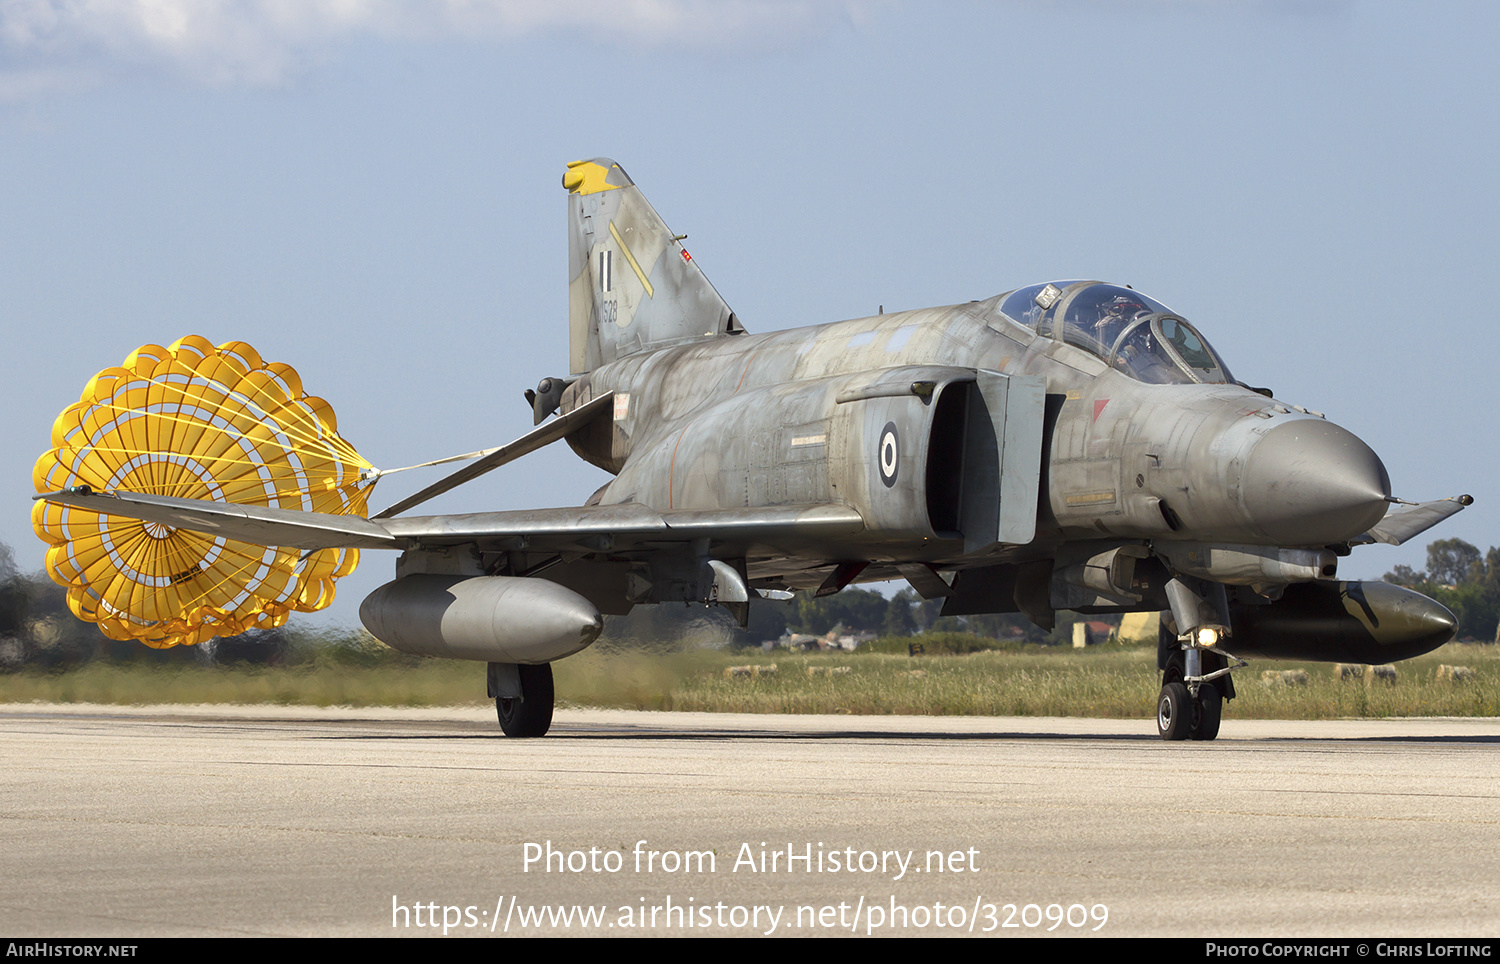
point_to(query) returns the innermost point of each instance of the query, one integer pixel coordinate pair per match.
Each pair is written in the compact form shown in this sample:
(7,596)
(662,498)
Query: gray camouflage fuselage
(756,420)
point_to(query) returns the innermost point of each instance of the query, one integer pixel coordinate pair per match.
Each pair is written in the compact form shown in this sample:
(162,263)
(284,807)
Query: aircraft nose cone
(1310,482)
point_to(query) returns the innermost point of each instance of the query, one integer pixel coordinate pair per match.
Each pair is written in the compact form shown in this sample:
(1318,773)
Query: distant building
(1139,628)
(1091,632)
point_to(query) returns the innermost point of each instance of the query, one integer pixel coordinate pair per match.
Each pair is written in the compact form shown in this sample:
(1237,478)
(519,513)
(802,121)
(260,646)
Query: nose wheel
(1181,715)
(1209,708)
(1174,712)
(1195,684)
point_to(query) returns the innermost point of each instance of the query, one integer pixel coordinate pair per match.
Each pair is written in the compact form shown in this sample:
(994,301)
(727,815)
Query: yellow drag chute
(197,422)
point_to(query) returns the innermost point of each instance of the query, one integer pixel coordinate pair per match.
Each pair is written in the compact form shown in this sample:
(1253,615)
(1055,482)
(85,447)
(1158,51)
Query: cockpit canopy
(1132,333)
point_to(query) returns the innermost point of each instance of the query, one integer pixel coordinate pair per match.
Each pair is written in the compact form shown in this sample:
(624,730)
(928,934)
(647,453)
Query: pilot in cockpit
(1101,313)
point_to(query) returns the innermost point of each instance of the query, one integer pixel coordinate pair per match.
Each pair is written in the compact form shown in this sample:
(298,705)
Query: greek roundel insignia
(888,454)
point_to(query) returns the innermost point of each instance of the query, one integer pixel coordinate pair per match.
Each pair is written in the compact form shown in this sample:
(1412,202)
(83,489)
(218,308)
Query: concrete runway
(231,821)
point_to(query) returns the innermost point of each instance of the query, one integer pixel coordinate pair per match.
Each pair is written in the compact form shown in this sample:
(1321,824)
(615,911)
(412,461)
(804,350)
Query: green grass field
(1105,681)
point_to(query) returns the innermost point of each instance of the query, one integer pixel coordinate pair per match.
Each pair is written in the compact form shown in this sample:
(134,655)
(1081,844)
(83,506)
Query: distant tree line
(36,626)
(853,611)
(904,614)
(39,631)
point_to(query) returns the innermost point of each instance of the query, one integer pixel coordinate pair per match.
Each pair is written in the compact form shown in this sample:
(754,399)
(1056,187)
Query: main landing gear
(1195,682)
(523,697)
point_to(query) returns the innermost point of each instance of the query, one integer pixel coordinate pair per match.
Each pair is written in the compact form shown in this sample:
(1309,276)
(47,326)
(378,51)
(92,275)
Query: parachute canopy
(196,422)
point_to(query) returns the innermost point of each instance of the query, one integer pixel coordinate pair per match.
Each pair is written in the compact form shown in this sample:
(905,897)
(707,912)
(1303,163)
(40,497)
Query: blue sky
(370,192)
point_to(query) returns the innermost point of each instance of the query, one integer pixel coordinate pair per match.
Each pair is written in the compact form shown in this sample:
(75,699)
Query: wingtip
(70,490)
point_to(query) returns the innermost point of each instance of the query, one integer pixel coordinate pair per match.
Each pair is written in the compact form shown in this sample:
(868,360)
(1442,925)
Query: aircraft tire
(531,716)
(1210,713)
(1174,712)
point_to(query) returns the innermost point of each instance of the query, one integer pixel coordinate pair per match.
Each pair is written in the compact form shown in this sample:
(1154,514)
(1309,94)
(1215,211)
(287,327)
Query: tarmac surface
(287,821)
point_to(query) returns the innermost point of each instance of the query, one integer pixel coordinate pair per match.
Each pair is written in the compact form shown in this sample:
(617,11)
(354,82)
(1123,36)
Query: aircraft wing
(1402,522)
(256,525)
(582,528)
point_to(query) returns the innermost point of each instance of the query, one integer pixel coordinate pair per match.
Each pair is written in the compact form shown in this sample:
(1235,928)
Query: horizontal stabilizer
(257,525)
(1402,522)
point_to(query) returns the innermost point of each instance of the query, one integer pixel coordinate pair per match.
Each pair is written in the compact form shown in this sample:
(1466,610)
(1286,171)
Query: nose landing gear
(1195,684)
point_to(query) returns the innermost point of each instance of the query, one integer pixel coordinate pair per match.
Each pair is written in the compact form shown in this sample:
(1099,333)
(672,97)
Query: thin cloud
(48,45)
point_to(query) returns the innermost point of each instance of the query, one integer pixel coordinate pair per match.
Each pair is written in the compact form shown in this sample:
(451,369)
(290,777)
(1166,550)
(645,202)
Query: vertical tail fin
(632,286)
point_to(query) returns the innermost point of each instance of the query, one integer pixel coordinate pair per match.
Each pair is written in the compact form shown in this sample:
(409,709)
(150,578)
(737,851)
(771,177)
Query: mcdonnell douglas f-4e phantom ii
(1068,445)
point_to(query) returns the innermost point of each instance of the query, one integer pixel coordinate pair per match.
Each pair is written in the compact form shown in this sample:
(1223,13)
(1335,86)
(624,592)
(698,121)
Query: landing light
(1208,636)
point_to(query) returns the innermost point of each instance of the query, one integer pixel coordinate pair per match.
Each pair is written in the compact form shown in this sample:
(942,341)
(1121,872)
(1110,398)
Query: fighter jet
(1069,445)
